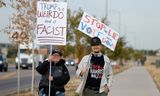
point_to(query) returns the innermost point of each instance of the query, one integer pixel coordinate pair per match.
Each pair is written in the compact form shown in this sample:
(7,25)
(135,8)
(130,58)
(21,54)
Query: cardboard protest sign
(93,27)
(51,23)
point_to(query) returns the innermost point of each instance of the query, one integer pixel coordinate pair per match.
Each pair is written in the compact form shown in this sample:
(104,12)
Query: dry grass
(71,86)
(155,73)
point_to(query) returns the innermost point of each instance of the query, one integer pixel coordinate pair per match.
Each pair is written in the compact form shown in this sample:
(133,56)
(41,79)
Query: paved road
(135,81)
(8,80)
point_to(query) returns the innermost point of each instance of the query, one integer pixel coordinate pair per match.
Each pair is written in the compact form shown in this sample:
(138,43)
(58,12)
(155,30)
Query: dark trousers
(90,92)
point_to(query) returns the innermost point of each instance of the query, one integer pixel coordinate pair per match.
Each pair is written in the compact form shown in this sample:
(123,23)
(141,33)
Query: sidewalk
(135,81)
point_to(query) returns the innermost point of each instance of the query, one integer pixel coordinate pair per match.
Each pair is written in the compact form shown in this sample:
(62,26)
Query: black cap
(95,41)
(57,51)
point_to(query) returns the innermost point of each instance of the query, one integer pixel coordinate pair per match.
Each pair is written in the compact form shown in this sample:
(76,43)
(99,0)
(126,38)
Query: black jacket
(58,82)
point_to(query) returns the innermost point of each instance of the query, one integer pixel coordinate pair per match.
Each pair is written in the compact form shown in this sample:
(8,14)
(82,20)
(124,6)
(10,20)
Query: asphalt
(135,81)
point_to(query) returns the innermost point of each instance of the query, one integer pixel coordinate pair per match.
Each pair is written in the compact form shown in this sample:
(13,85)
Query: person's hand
(50,58)
(50,78)
(106,89)
(83,71)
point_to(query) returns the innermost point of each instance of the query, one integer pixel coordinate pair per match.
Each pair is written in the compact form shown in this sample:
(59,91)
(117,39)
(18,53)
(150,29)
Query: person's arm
(82,66)
(110,78)
(64,79)
(42,68)
(109,73)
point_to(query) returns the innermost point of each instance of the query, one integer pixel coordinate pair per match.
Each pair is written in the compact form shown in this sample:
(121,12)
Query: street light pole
(107,11)
(119,29)
(119,19)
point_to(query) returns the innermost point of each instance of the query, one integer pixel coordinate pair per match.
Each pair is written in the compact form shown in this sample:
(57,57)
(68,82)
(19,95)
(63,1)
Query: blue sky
(137,20)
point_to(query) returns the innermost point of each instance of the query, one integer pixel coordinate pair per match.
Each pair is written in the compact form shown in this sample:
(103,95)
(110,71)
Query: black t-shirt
(95,71)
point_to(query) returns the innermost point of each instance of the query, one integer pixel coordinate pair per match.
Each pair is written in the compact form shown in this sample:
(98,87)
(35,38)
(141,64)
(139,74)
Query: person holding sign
(59,75)
(95,71)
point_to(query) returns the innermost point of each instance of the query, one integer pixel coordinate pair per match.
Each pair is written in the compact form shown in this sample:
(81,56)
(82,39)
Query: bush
(12,51)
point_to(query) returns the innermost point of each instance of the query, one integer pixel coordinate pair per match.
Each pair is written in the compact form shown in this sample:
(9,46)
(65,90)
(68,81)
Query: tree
(23,21)
(118,52)
(81,40)
(137,55)
(128,53)
(2,3)
(23,25)
(12,51)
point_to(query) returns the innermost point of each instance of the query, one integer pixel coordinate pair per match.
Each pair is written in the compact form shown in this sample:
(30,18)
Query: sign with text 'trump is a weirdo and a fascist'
(93,27)
(51,23)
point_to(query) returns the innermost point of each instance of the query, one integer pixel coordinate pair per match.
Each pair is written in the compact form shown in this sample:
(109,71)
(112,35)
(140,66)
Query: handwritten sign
(92,27)
(51,23)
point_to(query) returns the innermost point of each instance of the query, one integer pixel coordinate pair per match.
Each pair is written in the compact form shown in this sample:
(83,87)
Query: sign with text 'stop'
(51,23)
(93,27)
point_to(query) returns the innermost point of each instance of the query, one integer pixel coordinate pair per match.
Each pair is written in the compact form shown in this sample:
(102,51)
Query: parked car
(70,62)
(3,64)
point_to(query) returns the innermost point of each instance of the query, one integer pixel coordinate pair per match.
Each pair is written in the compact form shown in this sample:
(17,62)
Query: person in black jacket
(59,75)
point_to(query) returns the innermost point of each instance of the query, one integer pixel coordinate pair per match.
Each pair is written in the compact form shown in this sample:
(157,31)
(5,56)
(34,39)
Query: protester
(95,71)
(59,75)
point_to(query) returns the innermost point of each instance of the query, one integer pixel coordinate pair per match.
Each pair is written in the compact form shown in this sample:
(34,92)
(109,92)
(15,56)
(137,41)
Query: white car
(70,62)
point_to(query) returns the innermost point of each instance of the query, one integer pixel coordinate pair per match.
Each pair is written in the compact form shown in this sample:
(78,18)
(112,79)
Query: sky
(137,20)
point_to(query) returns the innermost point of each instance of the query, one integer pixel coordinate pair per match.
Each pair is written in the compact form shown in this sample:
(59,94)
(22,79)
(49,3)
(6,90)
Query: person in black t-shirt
(95,71)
